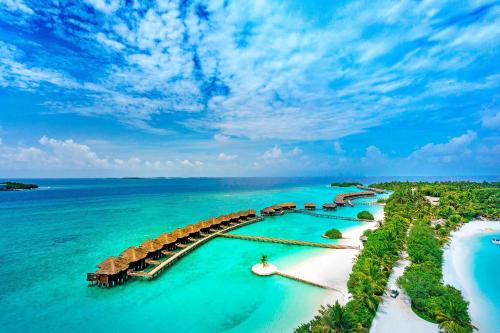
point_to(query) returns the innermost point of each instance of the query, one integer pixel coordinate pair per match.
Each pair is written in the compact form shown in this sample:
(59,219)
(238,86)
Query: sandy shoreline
(333,268)
(457,263)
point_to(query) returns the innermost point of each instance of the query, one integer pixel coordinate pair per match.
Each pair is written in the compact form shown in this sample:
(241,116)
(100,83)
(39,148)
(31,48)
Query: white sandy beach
(334,266)
(395,313)
(456,267)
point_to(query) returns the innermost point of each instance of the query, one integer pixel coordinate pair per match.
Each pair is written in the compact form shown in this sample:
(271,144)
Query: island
(333,234)
(14,186)
(345,184)
(365,215)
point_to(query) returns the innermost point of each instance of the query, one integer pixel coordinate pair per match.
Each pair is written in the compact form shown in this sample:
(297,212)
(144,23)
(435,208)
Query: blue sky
(249,88)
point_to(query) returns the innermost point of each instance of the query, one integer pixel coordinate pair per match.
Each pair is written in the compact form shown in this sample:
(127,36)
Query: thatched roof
(195,226)
(112,265)
(288,205)
(179,233)
(251,212)
(206,224)
(329,206)
(133,254)
(340,198)
(309,204)
(166,239)
(218,220)
(151,245)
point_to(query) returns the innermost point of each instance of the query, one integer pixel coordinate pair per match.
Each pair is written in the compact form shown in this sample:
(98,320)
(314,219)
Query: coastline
(457,268)
(333,267)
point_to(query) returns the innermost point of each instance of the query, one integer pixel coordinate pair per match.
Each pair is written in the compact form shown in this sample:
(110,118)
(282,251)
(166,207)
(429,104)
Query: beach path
(395,313)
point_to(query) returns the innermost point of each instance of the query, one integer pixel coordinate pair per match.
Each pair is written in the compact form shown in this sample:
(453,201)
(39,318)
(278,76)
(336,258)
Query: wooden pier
(188,248)
(288,241)
(328,216)
(315,284)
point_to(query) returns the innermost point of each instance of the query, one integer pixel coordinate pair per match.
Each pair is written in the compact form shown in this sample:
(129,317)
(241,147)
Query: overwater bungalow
(329,206)
(344,198)
(168,241)
(310,206)
(153,248)
(251,213)
(180,235)
(268,211)
(233,218)
(205,227)
(136,257)
(288,206)
(110,272)
(371,189)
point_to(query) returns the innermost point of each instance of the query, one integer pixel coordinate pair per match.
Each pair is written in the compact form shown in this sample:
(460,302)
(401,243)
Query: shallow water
(53,236)
(486,277)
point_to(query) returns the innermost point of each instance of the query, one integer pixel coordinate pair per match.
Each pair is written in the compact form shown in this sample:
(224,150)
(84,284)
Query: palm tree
(450,324)
(263,260)
(331,319)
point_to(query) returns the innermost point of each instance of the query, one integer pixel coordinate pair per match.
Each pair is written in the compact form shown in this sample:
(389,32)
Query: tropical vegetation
(333,234)
(11,186)
(407,225)
(365,215)
(345,184)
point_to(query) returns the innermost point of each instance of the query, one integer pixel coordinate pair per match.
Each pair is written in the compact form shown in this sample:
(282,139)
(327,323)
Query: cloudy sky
(248,88)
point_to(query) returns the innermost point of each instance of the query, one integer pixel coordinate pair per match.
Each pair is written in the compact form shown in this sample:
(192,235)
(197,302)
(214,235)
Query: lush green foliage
(458,203)
(365,215)
(19,186)
(346,184)
(333,234)
(422,280)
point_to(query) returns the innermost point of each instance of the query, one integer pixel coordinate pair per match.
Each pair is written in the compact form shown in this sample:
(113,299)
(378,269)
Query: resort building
(310,206)
(344,198)
(329,206)
(436,222)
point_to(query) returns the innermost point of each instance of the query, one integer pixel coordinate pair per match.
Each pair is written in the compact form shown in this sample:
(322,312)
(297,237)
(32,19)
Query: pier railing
(289,241)
(329,216)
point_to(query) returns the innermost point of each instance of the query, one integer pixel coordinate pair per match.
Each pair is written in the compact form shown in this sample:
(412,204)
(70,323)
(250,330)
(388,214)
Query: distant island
(13,186)
(345,184)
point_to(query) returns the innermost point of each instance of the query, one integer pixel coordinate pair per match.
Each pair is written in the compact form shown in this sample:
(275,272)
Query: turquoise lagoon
(485,271)
(53,236)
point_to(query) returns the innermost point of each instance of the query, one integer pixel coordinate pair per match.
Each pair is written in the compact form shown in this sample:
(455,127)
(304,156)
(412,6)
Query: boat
(495,241)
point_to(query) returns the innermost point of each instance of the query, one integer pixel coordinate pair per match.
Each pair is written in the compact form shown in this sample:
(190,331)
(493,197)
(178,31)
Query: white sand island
(458,273)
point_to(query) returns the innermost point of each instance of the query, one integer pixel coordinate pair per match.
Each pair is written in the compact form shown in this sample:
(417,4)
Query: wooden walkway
(369,203)
(296,278)
(158,269)
(288,241)
(328,216)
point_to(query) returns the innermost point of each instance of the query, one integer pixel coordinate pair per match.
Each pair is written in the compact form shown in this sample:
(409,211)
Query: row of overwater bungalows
(344,199)
(278,209)
(113,270)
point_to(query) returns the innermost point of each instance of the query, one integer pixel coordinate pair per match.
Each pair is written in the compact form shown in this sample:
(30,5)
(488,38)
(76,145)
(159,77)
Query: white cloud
(105,6)
(273,153)
(189,163)
(221,138)
(295,151)
(491,120)
(69,151)
(373,157)
(16,5)
(337,148)
(109,42)
(69,155)
(225,157)
(455,149)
